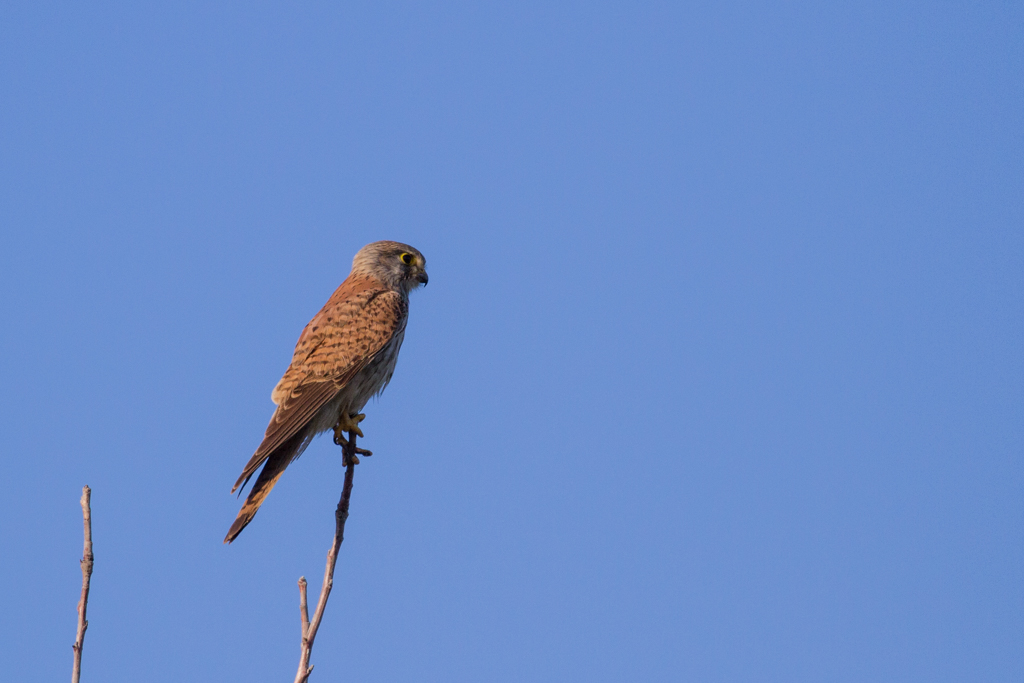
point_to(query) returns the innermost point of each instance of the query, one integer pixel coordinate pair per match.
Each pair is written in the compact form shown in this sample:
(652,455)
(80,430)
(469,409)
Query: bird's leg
(339,436)
(350,424)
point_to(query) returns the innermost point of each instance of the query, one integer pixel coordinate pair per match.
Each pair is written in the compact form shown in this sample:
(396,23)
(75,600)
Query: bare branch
(87,560)
(309,628)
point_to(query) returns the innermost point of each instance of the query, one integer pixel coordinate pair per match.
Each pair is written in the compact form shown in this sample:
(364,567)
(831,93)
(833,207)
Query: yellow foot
(350,423)
(343,442)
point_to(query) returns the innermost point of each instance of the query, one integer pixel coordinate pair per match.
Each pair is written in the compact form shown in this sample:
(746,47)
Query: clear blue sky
(718,376)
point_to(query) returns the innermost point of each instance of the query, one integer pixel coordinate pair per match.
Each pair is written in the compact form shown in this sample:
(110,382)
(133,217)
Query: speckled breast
(374,377)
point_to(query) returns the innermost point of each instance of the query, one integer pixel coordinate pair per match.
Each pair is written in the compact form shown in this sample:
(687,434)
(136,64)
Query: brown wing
(355,324)
(344,308)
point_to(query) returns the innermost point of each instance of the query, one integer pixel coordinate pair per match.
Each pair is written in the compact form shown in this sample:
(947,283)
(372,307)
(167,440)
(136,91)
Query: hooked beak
(421,277)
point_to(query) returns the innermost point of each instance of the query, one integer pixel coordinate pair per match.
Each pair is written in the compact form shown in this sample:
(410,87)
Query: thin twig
(303,609)
(86,563)
(310,627)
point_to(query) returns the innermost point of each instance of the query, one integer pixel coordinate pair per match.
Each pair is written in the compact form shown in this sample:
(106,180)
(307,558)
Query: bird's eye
(406,257)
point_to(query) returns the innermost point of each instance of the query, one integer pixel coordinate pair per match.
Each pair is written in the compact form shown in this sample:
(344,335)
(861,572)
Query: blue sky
(718,376)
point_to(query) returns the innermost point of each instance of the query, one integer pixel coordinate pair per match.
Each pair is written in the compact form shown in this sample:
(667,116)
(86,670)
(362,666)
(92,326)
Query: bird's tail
(272,471)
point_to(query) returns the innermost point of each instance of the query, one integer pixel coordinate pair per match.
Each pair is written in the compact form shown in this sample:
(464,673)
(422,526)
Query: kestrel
(344,356)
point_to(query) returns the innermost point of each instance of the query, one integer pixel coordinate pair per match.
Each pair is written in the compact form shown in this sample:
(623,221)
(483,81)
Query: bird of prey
(344,356)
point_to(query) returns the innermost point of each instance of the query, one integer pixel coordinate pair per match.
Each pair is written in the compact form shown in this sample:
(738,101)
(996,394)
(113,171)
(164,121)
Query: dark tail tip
(240,523)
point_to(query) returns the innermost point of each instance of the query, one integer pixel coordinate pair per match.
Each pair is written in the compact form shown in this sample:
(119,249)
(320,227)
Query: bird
(345,355)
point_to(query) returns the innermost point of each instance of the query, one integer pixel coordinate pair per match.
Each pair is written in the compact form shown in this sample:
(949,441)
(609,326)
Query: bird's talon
(349,423)
(354,424)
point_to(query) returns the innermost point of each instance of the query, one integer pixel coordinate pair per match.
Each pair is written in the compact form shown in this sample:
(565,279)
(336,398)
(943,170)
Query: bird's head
(397,265)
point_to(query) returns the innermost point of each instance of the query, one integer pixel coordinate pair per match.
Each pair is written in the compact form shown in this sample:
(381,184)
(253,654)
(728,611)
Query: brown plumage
(344,356)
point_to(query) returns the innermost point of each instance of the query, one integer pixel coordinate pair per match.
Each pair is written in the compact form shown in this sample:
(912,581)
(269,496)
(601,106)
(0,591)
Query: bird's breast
(372,378)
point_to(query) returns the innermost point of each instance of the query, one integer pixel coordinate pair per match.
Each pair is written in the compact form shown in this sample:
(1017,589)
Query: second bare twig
(87,561)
